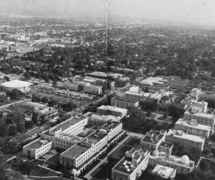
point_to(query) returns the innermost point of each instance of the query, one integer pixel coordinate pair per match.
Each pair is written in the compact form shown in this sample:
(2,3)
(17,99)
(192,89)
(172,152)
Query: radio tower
(106,33)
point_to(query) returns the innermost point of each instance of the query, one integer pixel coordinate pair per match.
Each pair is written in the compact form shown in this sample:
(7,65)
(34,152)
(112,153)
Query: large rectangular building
(37,148)
(202,118)
(152,139)
(131,166)
(188,140)
(112,110)
(193,127)
(123,102)
(183,165)
(80,155)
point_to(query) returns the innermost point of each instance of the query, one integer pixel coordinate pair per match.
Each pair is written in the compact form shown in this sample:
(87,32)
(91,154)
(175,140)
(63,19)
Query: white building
(202,118)
(37,148)
(193,127)
(98,119)
(71,126)
(131,166)
(123,103)
(80,155)
(111,110)
(183,165)
(188,140)
(152,139)
(164,171)
(16,84)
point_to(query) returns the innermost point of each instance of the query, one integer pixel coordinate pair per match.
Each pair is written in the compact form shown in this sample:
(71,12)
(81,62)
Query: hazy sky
(195,11)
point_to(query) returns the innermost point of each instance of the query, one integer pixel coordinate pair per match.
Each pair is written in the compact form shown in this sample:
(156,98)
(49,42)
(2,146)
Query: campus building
(188,140)
(112,110)
(123,102)
(193,127)
(152,139)
(16,84)
(37,148)
(82,154)
(73,126)
(82,86)
(183,165)
(131,165)
(164,172)
(202,118)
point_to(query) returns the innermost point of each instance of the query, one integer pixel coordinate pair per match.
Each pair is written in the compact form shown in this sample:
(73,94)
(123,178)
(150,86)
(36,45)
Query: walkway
(58,172)
(88,175)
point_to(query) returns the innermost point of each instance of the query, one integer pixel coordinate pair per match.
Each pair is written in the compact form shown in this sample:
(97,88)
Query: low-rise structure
(202,118)
(188,140)
(112,110)
(131,166)
(123,102)
(37,148)
(166,147)
(183,165)
(164,171)
(152,139)
(193,127)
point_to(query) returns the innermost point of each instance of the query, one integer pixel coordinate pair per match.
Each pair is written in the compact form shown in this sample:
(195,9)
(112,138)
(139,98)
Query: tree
(46,78)
(165,116)
(45,100)
(148,113)
(15,94)
(35,118)
(4,130)
(204,165)
(27,75)
(54,83)
(21,127)
(6,78)
(29,124)
(12,130)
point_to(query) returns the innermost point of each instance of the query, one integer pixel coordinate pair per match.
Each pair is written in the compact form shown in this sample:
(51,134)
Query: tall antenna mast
(106,32)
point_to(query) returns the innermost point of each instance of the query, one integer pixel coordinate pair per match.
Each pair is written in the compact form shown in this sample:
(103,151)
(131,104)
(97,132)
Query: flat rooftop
(191,124)
(80,148)
(172,159)
(97,136)
(112,108)
(200,114)
(163,171)
(126,165)
(183,135)
(37,144)
(152,137)
(104,117)
(166,144)
(124,99)
(66,124)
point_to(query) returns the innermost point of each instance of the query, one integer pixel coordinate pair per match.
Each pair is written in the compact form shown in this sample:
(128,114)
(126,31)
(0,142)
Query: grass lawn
(210,169)
(100,173)
(42,172)
(120,152)
(132,141)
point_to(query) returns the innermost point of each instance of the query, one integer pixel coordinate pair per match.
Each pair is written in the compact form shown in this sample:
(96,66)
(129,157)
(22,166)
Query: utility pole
(106,32)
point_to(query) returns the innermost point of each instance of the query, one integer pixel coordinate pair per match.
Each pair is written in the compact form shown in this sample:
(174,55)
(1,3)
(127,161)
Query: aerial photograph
(107,89)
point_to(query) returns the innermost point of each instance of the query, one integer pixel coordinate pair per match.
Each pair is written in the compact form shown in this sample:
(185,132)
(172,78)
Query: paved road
(88,175)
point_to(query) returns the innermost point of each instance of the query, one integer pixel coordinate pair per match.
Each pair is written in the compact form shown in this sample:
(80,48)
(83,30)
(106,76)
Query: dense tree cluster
(180,150)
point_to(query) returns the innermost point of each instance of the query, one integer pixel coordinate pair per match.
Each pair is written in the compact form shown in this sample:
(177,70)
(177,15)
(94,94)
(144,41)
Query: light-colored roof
(16,84)
(182,135)
(183,122)
(163,171)
(113,108)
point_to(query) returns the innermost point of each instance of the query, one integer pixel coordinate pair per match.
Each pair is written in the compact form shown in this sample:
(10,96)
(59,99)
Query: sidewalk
(88,175)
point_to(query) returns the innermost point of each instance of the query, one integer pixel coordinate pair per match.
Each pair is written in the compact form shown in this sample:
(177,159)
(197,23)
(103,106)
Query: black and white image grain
(107,89)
